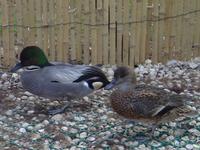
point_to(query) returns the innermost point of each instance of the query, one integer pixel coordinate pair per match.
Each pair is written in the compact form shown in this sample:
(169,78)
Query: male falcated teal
(60,81)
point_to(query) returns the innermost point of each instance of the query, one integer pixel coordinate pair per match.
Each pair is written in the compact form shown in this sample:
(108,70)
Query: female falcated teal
(144,103)
(60,81)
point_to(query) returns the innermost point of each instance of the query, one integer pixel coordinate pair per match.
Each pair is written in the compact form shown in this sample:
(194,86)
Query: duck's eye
(97,85)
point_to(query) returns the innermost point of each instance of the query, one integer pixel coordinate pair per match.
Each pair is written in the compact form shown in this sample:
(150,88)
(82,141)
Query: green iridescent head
(31,55)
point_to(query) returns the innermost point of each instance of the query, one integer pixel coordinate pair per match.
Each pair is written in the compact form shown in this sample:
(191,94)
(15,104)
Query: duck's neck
(126,86)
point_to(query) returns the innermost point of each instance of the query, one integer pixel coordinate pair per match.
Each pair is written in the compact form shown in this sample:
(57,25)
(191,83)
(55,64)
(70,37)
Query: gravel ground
(90,123)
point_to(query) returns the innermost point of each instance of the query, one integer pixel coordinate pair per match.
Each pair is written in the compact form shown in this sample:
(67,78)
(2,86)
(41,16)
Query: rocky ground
(91,123)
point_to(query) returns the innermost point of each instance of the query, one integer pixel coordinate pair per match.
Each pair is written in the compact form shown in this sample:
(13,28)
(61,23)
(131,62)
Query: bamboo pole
(112,32)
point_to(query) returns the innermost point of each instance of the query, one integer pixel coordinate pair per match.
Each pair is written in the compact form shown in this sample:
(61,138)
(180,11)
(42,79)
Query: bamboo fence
(123,32)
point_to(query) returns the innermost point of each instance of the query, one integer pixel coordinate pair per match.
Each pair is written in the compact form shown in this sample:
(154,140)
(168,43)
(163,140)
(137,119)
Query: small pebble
(30,112)
(83,135)
(64,128)
(45,122)
(24,125)
(35,136)
(73,131)
(91,139)
(9,112)
(24,97)
(27,93)
(189,146)
(4,76)
(57,117)
(22,130)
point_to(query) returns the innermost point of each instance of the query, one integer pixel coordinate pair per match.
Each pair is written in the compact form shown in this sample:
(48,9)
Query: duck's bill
(110,85)
(16,67)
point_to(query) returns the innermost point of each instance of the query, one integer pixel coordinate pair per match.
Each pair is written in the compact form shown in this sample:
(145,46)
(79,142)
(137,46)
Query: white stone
(83,135)
(57,117)
(64,128)
(91,139)
(120,147)
(79,118)
(24,97)
(148,61)
(189,146)
(172,124)
(171,62)
(39,126)
(45,122)
(9,112)
(27,93)
(73,131)
(41,130)
(30,112)
(193,65)
(4,76)
(24,125)
(31,98)
(11,97)
(22,130)
(195,132)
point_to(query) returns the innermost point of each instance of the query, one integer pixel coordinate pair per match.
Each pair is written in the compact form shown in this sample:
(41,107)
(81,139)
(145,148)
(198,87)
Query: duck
(56,80)
(146,104)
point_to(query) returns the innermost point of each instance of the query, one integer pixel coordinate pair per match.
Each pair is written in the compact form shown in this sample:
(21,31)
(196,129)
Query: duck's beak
(16,67)
(111,85)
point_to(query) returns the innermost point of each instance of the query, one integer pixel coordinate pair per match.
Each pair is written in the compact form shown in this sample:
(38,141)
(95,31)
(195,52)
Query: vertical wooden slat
(186,44)
(31,22)
(112,32)
(86,10)
(38,9)
(173,37)
(133,33)
(138,30)
(78,31)
(12,31)
(65,30)
(193,27)
(93,32)
(1,42)
(105,31)
(99,32)
(119,31)
(167,30)
(19,40)
(144,31)
(161,33)
(5,32)
(45,27)
(72,12)
(51,30)
(197,44)
(125,32)
(179,25)
(25,22)
(59,31)
(155,31)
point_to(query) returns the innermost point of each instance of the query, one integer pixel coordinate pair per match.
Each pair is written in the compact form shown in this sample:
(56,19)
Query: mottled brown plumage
(144,103)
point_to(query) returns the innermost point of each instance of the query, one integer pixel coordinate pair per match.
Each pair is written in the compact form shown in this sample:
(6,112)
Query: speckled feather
(145,103)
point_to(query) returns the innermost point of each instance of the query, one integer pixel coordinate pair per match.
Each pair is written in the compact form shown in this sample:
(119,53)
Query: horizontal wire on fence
(102,24)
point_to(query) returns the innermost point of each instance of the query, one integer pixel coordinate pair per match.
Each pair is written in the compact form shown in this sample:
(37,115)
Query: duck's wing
(149,103)
(71,73)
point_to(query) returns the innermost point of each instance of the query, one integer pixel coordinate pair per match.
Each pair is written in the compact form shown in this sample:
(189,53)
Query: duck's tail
(187,111)
(93,72)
